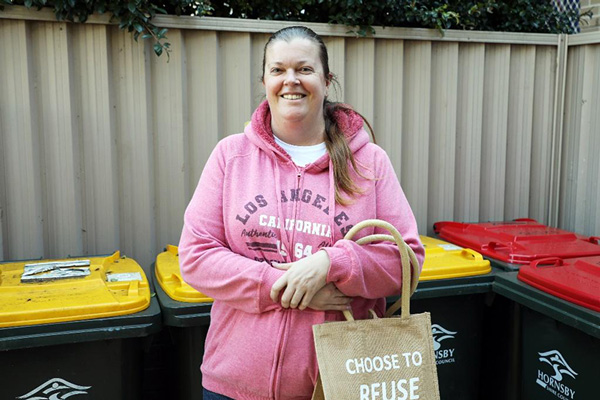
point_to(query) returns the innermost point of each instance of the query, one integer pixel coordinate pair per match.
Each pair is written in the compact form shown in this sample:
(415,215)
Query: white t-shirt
(302,155)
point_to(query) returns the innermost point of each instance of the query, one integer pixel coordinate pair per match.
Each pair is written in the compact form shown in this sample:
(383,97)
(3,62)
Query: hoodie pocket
(241,351)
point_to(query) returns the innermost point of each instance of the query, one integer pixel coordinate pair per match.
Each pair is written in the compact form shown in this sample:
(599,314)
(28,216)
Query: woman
(263,233)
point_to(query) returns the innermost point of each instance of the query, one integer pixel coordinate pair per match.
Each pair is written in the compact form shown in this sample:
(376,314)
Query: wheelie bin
(74,327)
(509,245)
(560,323)
(186,314)
(453,287)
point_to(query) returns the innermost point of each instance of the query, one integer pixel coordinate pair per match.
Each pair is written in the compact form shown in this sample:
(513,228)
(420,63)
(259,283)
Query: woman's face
(294,81)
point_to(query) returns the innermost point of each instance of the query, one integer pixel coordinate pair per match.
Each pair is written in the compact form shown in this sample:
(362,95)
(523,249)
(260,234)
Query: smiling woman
(263,234)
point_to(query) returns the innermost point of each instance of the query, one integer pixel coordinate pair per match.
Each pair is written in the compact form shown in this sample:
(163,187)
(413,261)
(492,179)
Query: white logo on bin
(442,356)
(55,389)
(553,382)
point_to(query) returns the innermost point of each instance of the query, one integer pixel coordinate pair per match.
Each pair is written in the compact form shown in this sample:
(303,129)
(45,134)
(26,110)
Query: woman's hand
(329,298)
(302,280)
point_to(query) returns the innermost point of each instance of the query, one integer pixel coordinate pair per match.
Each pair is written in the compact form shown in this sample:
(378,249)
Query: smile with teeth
(292,96)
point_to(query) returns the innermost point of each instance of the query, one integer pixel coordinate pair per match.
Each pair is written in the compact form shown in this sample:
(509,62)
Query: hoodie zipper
(286,313)
(276,385)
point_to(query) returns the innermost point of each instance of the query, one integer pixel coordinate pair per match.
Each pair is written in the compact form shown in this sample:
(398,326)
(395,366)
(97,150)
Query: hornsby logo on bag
(55,389)
(553,381)
(442,355)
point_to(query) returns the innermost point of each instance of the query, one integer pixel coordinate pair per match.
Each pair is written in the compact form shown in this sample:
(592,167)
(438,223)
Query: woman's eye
(275,70)
(306,69)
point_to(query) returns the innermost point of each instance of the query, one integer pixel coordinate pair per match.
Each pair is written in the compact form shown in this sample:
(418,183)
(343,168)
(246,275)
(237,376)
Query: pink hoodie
(253,205)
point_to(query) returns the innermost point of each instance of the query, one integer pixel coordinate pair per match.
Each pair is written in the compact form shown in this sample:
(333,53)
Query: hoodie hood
(259,132)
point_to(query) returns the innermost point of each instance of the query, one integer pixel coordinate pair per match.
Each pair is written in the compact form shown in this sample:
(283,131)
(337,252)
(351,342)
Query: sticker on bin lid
(576,280)
(518,242)
(444,260)
(450,247)
(124,277)
(49,271)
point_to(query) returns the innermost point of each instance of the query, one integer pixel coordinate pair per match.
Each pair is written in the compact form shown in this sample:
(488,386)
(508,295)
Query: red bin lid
(576,280)
(518,242)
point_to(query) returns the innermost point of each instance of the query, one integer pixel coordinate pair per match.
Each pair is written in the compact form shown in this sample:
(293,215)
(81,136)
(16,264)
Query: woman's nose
(291,78)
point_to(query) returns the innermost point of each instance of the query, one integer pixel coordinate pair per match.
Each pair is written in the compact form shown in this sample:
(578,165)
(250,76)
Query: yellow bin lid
(445,260)
(168,275)
(52,291)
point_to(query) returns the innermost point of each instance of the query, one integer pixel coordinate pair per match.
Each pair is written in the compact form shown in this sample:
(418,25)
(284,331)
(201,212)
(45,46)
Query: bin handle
(524,220)
(593,239)
(177,278)
(550,261)
(495,246)
(471,253)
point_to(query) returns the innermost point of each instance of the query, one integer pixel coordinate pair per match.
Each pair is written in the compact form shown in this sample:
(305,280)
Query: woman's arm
(374,270)
(207,262)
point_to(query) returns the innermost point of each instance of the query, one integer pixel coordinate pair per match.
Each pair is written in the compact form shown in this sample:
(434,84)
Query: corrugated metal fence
(102,143)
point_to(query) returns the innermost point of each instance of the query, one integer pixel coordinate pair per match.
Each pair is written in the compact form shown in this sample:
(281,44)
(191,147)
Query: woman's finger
(282,266)
(277,286)
(297,298)
(287,296)
(343,300)
(308,296)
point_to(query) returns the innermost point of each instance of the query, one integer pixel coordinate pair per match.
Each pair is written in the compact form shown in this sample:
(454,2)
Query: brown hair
(335,140)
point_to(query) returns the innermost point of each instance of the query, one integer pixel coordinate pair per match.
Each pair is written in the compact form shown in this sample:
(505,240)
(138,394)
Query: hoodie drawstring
(285,242)
(331,203)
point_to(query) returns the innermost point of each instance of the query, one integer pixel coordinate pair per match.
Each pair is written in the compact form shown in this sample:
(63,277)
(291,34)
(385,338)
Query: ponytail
(340,153)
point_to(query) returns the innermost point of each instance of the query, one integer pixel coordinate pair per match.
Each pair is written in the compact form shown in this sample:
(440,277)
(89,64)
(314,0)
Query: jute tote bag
(379,358)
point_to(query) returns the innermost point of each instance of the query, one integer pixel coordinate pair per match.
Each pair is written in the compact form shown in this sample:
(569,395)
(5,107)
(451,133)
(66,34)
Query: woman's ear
(329,79)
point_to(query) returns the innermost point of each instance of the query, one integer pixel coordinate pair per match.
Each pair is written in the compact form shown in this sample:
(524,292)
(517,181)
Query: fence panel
(130,66)
(580,191)
(471,67)
(541,141)
(442,131)
(202,107)
(495,131)
(389,58)
(520,124)
(95,127)
(21,219)
(57,136)
(169,126)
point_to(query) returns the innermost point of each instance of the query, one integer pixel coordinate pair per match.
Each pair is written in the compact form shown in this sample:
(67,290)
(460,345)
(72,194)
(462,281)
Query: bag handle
(407,256)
